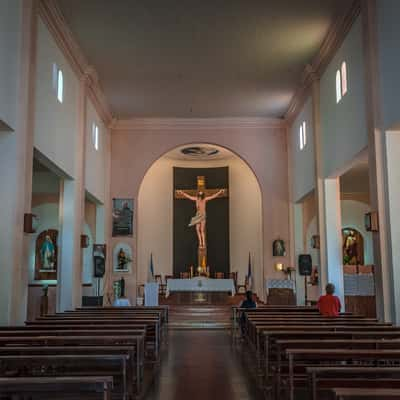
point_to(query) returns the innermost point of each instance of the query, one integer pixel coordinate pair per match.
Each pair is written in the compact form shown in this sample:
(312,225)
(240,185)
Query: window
(302,135)
(344,78)
(58,83)
(95,136)
(341,82)
(338,87)
(60,86)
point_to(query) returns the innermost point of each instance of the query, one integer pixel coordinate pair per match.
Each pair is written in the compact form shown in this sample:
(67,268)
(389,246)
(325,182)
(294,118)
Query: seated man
(329,305)
(248,302)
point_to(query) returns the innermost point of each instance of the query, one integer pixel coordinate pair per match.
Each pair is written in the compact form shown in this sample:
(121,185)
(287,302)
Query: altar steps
(199,317)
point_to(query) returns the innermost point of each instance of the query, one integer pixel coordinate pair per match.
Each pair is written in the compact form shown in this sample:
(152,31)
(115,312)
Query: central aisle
(201,365)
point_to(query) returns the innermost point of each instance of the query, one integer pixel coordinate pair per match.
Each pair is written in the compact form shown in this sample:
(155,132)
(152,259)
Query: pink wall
(135,146)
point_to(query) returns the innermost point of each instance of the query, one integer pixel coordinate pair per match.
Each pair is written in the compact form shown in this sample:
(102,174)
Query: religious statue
(123,260)
(350,248)
(199,220)
(47,254)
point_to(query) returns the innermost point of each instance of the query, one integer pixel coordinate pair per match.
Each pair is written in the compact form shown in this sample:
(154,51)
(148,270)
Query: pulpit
(151,294)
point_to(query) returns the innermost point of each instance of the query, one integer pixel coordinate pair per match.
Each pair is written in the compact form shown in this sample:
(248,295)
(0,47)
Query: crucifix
(201,196)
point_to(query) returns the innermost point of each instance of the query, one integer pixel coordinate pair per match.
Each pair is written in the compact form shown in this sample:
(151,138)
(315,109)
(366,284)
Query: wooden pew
(302,358)
(257,331)
(152,327)
(366,394)
(40,388)
(135,365)
(163,309)
(352,344)
(114,365)
(271,339)
(325,378)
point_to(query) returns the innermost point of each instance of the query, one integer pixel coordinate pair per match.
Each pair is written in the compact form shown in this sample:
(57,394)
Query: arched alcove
(155,213)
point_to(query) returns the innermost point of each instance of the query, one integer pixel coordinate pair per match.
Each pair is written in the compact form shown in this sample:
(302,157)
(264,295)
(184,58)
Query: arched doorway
(155,211)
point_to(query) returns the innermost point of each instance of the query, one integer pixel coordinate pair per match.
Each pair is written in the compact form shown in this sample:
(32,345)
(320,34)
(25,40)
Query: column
(393,180)
(299,249)
(16,159)
(72,211)
(384,285)
(333,236)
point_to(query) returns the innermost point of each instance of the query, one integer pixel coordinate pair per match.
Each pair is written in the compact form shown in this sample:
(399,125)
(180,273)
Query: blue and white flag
(150,277)
(249,275)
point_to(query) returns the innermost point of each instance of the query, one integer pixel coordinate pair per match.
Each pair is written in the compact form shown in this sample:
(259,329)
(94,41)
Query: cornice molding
(161,124)
(52,16)
(313,71)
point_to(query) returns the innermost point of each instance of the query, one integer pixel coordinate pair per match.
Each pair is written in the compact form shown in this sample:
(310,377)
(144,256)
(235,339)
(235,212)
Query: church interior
(199,199)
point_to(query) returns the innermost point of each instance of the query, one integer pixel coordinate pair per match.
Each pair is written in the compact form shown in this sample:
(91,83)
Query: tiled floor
(200,364)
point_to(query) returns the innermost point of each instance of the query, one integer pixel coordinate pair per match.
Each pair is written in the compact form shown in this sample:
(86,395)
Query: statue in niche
(47,254)
(123,260)
(353,247)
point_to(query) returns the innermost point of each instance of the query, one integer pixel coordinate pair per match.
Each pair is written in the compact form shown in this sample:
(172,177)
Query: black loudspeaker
(305,264)
(99,266)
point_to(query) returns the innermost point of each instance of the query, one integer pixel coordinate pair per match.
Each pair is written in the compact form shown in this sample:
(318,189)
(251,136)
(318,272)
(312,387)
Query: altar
(200,284)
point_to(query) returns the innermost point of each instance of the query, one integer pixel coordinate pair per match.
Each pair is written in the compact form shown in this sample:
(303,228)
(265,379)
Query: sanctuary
(199,199)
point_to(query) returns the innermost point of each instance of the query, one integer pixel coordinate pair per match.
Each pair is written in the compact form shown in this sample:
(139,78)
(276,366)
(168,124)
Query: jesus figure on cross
(199,220)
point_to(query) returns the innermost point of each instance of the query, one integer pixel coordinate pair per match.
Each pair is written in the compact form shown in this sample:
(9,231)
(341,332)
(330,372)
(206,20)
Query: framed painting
(122,217)
(278,248)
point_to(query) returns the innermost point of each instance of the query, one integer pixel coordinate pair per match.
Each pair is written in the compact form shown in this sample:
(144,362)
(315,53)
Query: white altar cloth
(200,284)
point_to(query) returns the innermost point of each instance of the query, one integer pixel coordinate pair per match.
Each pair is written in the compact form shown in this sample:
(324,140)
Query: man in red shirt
(329,305)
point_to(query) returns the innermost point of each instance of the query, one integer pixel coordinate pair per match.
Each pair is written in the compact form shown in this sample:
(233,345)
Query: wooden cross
(201,187)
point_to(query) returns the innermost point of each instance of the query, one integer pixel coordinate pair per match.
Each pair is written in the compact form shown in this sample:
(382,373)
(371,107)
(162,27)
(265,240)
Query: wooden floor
(200,364)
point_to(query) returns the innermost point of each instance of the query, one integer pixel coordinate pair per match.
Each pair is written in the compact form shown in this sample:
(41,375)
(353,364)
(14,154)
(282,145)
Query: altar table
(200,285)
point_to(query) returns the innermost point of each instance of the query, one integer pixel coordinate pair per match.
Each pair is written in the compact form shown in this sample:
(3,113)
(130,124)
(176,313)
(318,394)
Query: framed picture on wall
(278,248)
(122,217)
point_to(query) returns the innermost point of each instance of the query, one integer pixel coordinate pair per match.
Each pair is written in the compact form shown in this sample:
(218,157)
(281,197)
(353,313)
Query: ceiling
(192,58)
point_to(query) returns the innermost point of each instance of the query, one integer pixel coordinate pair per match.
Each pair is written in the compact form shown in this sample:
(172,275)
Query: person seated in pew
(248,302)
(329,305)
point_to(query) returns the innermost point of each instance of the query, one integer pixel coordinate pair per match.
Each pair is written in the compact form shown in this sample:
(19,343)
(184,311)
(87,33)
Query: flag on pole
(150,278)
(249,275)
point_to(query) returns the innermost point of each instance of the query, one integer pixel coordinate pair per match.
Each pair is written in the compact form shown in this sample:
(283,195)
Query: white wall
(303,165)
(95,159)
(343,125)
(155,218)
(353,217)
(55,123)
(389,59)
(10,29)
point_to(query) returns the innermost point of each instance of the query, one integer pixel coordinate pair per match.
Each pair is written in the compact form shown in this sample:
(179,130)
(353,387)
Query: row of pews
(299,354)
(98,353)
